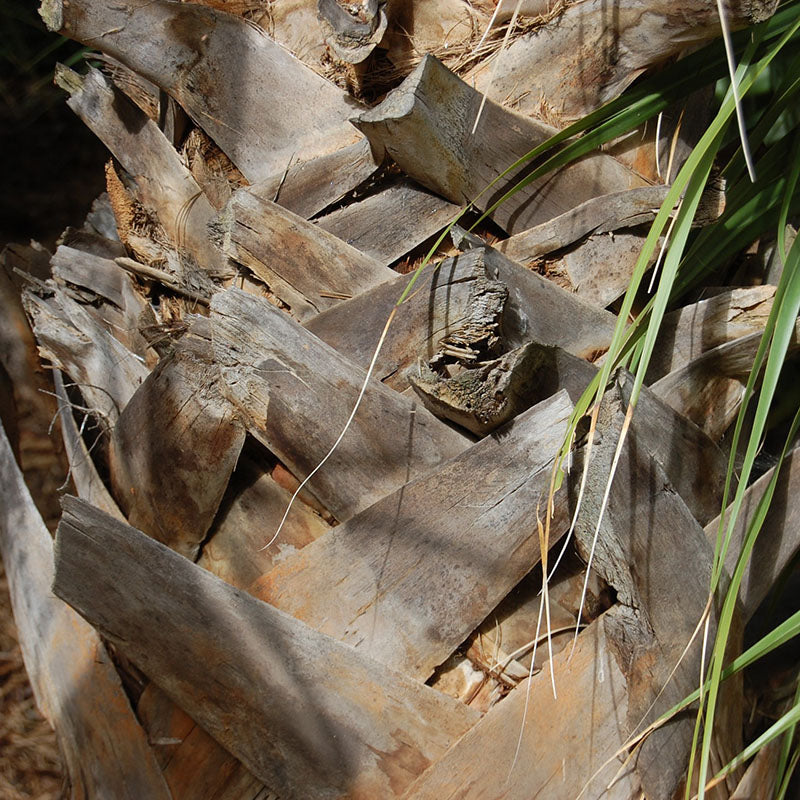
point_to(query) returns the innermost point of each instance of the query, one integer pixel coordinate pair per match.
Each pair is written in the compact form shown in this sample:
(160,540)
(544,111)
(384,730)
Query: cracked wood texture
(535,311)
(408,579)
(250,512)
(83,471)
(779,538)
(425,125)
(69,336)
(593,50)
(108,294)
(306,267)
(306,714)
(72,674)
(164,184)
(388,224)
(254,99)
(596,215)
(308,187)
(175,445)
(562,741)
(650,544)
(285,380)
(195,766)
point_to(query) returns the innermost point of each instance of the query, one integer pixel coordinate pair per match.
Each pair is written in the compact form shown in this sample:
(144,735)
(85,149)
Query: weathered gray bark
(304,266)
(408,579)
(261,105)
(164,184)
(175,445)
(306,714)
(425,125)
(593,50)
(73,677)
(284,380)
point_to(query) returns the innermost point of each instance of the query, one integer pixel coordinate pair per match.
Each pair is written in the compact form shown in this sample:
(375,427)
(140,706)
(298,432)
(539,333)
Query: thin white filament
(579,501)
(497,59)
(726,37)
(544,603)
(341,435)
(663,249)
(658,139)
(527,693)
(489,26)
(603,506)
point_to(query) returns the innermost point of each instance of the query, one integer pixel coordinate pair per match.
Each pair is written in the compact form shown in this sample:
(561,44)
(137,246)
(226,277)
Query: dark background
(51,164)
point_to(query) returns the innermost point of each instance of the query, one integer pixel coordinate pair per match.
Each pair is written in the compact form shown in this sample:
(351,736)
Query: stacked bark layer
(215,319)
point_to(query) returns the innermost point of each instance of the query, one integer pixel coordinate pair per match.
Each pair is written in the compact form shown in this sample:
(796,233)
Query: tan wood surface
(73,677)
(306,714)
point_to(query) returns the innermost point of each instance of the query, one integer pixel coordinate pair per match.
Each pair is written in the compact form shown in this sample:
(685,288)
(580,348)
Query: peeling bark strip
(165,185)
(593,51)
(169,281)
(688,332)
(285,380)
(300,263)
(106,373)
(253,505)
(425,125)
(175,445)
(99,276)
(391,222)
(536,310)
(598,215)
(309,187)
(600,269)
(260,104)
(82,469)
(649,545)
(195,766)
(109,296)
(306,714)
(74,680)
(407,580)
(565,740)
(694,465)
(709,388)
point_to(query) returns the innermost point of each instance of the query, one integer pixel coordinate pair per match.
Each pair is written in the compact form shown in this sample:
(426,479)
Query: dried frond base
(216,174)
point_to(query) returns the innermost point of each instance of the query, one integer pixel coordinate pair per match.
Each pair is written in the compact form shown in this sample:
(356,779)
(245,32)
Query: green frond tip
(788,720)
